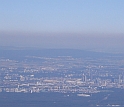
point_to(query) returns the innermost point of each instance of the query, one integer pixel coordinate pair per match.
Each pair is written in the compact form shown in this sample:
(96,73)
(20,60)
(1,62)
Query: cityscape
(61,53)
(62,74)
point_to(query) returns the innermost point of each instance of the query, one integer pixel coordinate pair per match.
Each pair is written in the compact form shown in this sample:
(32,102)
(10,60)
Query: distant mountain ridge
(21,53)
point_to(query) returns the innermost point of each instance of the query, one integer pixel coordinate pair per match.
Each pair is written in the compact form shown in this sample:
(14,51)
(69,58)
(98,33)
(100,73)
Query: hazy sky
(81,24)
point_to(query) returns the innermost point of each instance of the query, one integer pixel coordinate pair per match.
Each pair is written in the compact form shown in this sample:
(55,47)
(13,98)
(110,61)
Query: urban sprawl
(64,74)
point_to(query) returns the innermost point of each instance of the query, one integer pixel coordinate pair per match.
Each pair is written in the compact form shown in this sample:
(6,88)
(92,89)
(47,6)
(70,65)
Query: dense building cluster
(64,74)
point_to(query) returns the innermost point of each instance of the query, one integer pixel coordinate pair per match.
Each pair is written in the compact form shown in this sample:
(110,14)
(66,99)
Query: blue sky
(101,21)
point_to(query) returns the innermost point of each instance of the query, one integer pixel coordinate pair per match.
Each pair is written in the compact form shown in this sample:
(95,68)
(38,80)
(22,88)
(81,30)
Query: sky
(78,24)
